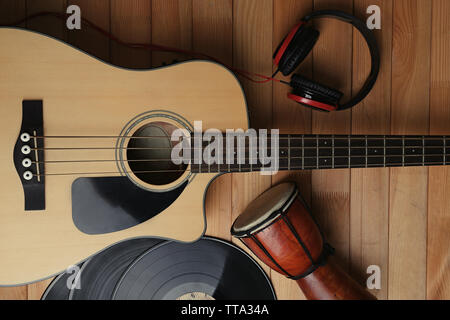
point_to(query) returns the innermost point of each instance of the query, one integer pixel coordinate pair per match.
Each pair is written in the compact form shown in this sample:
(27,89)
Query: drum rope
(261,246)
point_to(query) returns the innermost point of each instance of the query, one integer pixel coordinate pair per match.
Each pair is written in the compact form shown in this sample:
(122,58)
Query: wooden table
(399,218)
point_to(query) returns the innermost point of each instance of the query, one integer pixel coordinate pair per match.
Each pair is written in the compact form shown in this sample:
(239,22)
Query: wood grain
(172,26)
(369,210)
(131,21)
(52,26)
(290,117)
(93,42)
(331,188)
(36,290)
(410,114)
(12,11)
(398,218)
(438,240)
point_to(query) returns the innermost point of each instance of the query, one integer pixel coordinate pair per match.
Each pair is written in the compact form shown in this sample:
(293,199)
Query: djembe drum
(278,228)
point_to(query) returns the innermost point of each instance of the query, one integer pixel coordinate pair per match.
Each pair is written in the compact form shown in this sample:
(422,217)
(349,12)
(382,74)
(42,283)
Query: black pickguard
(109,204)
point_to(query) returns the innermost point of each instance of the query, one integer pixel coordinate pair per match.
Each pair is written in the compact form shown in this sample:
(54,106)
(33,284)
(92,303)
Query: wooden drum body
(279,228)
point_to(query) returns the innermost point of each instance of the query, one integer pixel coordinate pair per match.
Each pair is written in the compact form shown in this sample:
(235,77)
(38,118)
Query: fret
(317,151)
(367,154)
(340,151)
(349,152)
(444,151)
(423,150)
(239,164)
(403,151)
(303,152)
(250,158)
(289,152)
(332,152)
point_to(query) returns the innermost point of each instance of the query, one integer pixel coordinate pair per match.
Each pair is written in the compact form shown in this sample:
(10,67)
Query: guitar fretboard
(302,152)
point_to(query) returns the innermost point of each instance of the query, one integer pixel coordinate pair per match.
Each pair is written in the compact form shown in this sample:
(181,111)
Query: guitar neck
(302,152)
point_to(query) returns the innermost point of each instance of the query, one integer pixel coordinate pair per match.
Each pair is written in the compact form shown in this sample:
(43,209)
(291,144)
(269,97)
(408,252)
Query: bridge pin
(26,149)
(25,137)
(26,163)
(27,175)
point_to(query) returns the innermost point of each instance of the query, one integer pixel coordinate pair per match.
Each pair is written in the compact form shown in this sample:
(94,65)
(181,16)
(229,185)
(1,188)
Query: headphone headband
(371,43)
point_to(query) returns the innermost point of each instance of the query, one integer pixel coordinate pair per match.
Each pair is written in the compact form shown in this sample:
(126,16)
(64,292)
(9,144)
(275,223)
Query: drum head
(264,209)
(206,269)
(100,274)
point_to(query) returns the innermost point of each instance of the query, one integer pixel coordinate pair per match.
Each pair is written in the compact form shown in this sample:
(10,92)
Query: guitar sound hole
(149,154)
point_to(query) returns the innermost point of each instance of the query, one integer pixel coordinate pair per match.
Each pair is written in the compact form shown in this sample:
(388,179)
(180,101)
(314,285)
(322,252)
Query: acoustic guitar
(86,152)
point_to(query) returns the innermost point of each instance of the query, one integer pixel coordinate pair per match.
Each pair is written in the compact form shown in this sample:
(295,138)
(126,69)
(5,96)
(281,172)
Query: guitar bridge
(29,155)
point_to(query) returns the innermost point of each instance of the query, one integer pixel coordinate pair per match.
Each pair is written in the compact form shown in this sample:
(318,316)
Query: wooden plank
(131,22)
(53,26)
(252,51)
(36,290)
(13,293)
(332,58)
(87,39)
(438,244)
(410,114)
(212,34)
(290,117)
(369,210)
(12,11)
(172,26)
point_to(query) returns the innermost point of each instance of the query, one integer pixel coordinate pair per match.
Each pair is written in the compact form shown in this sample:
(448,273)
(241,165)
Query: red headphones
(298,44)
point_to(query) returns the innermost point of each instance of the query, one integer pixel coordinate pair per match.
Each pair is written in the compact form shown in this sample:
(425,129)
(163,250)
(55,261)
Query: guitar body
(82,96)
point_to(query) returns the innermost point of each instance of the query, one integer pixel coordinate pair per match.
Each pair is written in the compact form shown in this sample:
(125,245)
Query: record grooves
(151,269)
(211,267)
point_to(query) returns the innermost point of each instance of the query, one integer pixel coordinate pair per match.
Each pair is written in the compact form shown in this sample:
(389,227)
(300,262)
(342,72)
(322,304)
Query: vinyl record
(58,289)
(100,274)
(206,269)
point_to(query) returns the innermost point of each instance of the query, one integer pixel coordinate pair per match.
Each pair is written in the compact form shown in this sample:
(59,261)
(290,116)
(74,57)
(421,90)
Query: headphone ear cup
(315,89)
(297,50)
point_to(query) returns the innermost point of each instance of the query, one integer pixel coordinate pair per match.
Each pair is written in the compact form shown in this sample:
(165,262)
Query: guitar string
(306,137)
(236,148)
(209,166)
(200,171)
(307,157)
